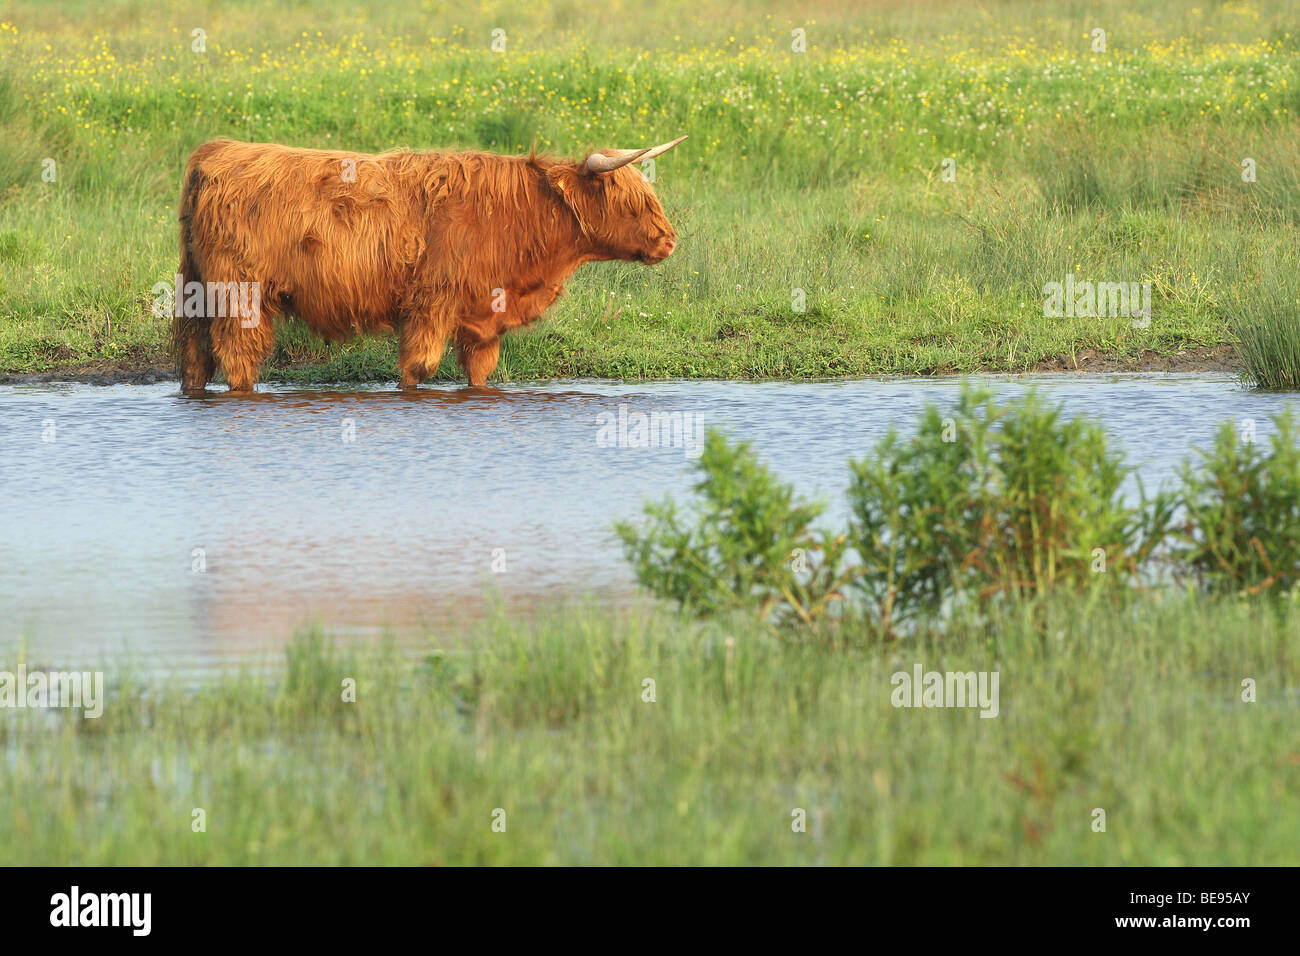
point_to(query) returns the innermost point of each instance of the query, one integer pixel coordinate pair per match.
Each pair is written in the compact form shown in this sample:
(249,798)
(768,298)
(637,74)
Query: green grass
(1137,712)
(819,171)
(1266,323)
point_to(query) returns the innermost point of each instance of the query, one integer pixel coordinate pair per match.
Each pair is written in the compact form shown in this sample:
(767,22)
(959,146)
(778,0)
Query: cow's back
(332,236)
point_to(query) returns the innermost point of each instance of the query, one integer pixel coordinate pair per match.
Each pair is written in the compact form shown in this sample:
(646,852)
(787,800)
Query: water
(436,501)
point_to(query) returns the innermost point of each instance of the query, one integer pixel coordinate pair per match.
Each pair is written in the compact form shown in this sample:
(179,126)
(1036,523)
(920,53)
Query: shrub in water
(990,503)
(1242,528)
(749,545)
(994,501)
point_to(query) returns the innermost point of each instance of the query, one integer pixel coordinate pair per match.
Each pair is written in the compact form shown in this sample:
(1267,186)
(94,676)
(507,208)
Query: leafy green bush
(749,546)
(994,501)
(1242,527)
(912,508)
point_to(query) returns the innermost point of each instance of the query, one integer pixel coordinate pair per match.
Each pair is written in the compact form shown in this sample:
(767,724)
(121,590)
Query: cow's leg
(241,345)
(191,339)
(419,352)
(195,345)
(478,357)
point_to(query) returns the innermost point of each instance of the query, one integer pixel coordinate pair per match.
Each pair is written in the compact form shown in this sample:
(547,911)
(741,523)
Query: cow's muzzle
(660,251)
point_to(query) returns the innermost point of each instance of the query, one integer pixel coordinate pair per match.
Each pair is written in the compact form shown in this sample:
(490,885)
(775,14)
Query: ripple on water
(371,510)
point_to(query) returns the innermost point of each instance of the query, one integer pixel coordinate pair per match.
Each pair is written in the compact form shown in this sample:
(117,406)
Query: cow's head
(615,205)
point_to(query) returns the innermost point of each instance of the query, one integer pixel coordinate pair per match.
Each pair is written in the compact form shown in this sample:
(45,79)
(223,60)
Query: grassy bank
(1135,711)
(820,171)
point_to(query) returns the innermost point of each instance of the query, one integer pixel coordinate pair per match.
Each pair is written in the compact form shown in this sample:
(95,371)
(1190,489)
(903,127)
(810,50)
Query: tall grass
(1266,322)
(552,721)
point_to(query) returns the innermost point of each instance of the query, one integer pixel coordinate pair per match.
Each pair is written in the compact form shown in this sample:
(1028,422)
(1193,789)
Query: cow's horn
(600,163)
(661,149)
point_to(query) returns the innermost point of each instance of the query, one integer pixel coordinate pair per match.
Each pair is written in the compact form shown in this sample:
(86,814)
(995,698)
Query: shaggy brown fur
(442,247)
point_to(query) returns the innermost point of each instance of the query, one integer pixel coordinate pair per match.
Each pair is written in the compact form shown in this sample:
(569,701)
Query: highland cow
(443,247)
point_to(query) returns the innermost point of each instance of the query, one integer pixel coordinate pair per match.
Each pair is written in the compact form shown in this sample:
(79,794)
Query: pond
(193,532)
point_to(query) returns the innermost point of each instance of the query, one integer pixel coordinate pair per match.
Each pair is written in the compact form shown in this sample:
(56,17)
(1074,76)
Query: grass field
(1137,712)
(821,171)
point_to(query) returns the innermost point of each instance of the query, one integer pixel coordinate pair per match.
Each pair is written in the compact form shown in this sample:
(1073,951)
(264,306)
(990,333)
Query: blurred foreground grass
(1134,709)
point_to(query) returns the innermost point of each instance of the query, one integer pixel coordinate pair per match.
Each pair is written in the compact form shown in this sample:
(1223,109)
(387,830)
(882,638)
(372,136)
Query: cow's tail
(191,335)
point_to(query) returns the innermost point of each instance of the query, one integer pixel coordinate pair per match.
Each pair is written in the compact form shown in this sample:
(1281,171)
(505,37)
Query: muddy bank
(149,370)
(1212,358)
(94,373)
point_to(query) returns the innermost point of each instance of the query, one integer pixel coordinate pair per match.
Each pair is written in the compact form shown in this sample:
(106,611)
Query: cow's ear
(562,177)
(574,187)
(573,181)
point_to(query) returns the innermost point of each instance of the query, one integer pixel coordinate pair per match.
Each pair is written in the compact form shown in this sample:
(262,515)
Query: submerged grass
(820,171)
(1137,711)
